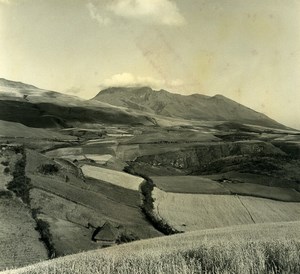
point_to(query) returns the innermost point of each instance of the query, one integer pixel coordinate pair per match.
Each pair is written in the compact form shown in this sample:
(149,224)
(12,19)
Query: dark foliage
(126,237)
(5,194)
(48,169)
(43,228)
(147,204)
(20,184)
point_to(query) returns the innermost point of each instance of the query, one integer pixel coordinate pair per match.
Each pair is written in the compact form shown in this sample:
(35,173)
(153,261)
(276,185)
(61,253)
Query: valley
(85,175)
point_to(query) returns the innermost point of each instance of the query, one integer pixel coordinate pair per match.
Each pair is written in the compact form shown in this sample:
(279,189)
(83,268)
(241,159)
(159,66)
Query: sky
(247,50)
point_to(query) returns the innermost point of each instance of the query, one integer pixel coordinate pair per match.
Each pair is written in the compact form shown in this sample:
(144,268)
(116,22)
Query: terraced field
(189,184)
(203,185)
(188,212)
(111,176)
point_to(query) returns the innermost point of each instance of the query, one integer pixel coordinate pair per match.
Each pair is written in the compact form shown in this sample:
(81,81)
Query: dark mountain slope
(34,107)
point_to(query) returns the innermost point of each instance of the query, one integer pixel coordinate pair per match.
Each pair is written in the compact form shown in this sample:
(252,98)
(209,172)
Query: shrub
(43,228)
(5,163)
(126,237)
(20,184)
(5,194)
(48,169)
(147,204)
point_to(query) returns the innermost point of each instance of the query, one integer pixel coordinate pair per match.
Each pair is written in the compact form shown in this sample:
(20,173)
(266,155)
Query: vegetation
(48,169)
(43,228)
(146,189)
(126,237)
(5,194)
(221,257)
(20,184)
(6,170)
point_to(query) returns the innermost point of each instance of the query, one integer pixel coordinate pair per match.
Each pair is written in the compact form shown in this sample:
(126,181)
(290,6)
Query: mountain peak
(191,107)
(125,89)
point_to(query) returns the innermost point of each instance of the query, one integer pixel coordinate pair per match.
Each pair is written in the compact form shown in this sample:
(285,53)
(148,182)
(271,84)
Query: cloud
(96,15)
(163,12)
(129,80)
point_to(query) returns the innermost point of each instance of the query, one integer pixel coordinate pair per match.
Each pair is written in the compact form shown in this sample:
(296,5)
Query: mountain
(40,108)
(191,107)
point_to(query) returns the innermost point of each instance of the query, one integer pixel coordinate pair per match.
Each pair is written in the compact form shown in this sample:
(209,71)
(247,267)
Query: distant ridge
(14,84)
(191,107)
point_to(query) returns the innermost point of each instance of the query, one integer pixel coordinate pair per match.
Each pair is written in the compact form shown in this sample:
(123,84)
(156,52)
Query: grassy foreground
(244,249)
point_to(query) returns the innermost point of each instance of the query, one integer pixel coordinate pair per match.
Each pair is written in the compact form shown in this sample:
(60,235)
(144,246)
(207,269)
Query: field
(203,185)
(116,210)
(241,249)
(189,184)
(188,212)
(111,176)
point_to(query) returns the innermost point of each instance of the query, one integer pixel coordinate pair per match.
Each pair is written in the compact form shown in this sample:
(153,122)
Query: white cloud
(96,15)
(163,12)
(129,80)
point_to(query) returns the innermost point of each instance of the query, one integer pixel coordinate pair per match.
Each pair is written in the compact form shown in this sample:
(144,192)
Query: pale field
(99,159)
(188,212)
(259,248)
(61,152)
(101,141)
(114,177)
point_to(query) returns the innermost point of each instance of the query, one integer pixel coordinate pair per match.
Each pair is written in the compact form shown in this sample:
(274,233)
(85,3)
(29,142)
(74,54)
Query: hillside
(239,249)
(88,175)
(35,107)
(191,107)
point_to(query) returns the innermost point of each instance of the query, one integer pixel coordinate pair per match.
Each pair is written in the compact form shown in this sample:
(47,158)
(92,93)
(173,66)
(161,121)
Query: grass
(189,212)
(210,251)
(19,241)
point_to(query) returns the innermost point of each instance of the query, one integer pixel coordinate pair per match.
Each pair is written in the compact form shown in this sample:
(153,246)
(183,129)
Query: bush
(43,228)
(126,237)
(5,194)
(48,169)
(147,205)
(5,163)
(20,184)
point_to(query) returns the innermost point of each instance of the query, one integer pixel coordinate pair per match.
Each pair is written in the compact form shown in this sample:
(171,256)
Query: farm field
(129,216)
(203,185)
(188,212)
(189,184)
(238,249)
(114,177)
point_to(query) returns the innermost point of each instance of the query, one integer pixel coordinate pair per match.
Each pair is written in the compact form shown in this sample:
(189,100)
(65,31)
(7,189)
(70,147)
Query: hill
(35,107)
(191,107)
(239,249)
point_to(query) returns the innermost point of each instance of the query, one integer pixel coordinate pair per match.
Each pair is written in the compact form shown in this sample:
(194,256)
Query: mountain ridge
(190,107)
